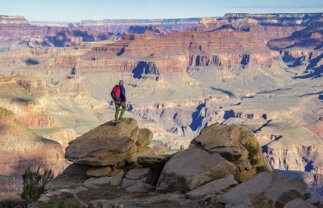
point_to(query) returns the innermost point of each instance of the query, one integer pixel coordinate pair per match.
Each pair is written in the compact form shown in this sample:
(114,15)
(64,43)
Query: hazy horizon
(77,10)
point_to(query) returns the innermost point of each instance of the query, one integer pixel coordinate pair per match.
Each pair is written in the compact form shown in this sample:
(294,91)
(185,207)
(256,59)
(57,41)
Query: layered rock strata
(154,54)
(262,26)
(30,136)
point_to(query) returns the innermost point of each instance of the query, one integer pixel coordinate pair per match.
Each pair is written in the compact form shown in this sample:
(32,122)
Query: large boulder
(268,186)
(236,144)
(191,168)
(212,187)
(109,144)
(217,152)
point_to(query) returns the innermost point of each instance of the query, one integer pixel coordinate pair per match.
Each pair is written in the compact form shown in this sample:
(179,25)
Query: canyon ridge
(262,72)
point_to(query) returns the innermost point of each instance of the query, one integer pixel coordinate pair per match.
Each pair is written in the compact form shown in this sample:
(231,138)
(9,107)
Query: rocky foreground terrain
(263,72)
(113,166)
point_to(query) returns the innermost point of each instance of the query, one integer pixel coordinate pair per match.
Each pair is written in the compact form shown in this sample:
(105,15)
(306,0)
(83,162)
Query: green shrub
(10,203)
(181,147)
(34,184)
(252,153)
(307,195)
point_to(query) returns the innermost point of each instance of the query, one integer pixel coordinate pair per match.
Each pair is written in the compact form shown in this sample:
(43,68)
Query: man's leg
(123,105)
(117,105)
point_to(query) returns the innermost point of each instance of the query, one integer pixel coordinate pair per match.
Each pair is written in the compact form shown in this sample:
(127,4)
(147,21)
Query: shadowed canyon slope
(30,137)
(259,71)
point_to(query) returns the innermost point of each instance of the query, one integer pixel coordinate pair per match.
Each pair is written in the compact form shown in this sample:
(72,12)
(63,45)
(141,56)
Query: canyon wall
(30,136)
(263,26)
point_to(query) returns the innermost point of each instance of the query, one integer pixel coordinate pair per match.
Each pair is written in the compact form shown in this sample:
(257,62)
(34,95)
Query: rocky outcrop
(208,159)
(207,178)
(265,189)
(110,144)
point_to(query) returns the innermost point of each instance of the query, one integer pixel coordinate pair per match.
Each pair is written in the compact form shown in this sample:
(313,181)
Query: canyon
(263,72)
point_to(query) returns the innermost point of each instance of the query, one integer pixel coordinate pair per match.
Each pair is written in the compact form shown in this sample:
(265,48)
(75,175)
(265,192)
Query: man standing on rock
(118,94)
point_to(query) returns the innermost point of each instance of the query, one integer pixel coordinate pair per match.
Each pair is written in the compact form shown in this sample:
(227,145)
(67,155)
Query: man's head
(121,82)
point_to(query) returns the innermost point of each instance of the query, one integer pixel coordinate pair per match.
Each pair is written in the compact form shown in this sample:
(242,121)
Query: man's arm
(123,94)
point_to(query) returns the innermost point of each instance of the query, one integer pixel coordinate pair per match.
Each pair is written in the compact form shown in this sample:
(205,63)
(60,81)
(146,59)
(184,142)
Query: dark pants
(118,104)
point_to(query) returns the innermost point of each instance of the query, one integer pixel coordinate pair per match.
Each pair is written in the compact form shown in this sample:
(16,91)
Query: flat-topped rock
(191,168)
(108,144)
(153,160)
(212,187)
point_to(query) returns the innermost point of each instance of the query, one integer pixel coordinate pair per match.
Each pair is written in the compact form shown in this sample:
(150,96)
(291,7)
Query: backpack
(116,93)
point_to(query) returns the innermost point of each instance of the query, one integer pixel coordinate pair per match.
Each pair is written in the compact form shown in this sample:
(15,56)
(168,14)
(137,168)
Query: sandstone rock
(298,203)
(285,197)
(139,187)
(98,172)
(145,137)
(107,144)
(314,201)
(231,153)
(216,136)
(114,179)
(45,198)
(161,201)
(234,143)
(137,173)
(191,168)
(130,182)
(212,187)
(256,201)
(268,183)
(73,174)
(242,165)
(143,150)
(153,160)
(103,180)
(118,172)
(159,150)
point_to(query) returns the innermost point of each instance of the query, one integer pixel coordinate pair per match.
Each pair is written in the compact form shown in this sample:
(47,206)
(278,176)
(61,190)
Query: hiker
(118,94)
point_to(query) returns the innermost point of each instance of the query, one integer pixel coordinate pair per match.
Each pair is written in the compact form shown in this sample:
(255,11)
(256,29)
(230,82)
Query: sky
(76,10)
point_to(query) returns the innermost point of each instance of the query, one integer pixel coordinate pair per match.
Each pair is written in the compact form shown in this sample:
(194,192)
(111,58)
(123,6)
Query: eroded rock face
(175,51)
(191,168)
(202,173)
(268,184)
(262,26)
(202,161)
(110,144)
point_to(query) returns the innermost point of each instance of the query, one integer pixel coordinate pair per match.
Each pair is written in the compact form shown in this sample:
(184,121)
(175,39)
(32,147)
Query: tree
(34,184)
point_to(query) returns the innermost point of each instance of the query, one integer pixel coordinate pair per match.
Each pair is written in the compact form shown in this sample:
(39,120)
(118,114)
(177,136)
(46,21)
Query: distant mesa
(262,26)
(143,29)
(13,21)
